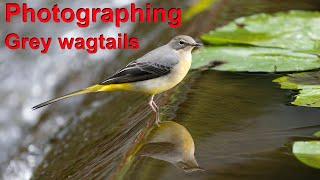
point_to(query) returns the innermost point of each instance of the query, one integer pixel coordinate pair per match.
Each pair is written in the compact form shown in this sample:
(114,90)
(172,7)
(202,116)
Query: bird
(173,143)
(155,72)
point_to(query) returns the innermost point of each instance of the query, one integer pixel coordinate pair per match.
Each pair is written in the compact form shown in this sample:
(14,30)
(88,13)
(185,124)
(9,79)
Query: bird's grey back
(163,55)
(156,63)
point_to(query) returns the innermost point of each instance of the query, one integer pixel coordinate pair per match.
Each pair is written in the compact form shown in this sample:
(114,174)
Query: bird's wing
(139,71)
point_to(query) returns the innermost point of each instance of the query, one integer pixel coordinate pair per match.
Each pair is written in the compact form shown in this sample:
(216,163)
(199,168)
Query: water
(241,124)
(242,128)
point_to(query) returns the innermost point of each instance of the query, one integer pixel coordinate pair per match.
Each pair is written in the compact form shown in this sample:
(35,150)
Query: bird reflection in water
(173,143)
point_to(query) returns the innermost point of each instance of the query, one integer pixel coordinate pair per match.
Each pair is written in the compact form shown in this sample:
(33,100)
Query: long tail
(91,89)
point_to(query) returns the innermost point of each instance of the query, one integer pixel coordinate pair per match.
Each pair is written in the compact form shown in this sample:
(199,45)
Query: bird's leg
(155,109)
(158,112)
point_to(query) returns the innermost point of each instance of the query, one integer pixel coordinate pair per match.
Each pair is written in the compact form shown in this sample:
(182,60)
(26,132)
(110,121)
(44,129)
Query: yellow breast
(164,83)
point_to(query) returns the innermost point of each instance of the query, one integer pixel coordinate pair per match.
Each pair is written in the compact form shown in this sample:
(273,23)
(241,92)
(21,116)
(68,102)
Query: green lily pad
(295,30)
(255,59)
(308,84)
(315,52)
(308,152)
(308,97)
(238,36)
(264,43)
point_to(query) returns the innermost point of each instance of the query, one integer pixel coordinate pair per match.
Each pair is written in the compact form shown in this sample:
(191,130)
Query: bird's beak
(197,44)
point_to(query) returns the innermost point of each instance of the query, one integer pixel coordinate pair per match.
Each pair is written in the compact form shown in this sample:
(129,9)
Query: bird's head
(183,42)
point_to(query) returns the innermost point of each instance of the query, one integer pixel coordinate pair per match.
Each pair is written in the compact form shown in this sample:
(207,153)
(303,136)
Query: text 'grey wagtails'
(155,72)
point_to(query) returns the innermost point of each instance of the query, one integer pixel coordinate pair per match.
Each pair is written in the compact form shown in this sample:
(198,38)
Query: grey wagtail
(155,72)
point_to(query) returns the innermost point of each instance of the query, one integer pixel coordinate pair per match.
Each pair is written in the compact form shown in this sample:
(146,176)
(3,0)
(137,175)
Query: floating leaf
(308,84)
(238,36)
(308,152)
(265,43)
(308,97)
(315,52)
(255,59)
(296,30)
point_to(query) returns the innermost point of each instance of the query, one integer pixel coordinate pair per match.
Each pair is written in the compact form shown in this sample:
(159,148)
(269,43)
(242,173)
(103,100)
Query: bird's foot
(157,122)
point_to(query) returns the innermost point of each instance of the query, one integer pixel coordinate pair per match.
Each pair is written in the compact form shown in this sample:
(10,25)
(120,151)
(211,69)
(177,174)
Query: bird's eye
(181,42)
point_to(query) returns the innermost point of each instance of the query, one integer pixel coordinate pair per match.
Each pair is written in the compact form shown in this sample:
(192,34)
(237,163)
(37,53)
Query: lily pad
(264,43)
(295,30)
(255,59)
(308,152)
(308,84)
